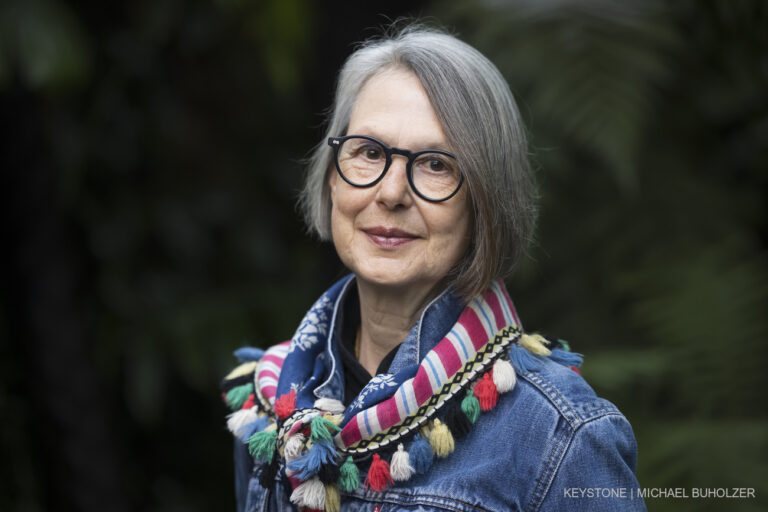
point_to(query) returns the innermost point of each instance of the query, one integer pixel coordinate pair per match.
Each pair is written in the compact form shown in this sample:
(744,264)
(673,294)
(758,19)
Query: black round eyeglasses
(362,161)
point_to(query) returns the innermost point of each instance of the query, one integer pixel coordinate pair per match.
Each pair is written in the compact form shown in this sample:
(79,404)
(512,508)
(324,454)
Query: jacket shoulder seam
(560,453)
(564,406)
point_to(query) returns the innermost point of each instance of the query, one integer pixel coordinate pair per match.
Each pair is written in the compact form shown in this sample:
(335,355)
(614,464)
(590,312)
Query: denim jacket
(551,444)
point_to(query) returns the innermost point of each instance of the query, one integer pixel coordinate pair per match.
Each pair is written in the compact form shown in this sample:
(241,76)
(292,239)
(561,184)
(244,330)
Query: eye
(371,152)
(434,164)
(437,165)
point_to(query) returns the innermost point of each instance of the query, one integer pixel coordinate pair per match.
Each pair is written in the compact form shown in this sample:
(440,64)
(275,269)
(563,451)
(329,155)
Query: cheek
(346,205)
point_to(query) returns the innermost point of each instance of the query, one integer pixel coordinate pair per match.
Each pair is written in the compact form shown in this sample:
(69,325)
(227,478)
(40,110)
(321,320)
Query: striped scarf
(278,414)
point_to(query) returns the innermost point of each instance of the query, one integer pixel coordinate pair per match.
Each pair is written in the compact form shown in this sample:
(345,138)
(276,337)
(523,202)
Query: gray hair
(479,117)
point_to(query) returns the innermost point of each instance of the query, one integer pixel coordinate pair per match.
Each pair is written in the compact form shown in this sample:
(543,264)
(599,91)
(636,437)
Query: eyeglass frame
(336,142)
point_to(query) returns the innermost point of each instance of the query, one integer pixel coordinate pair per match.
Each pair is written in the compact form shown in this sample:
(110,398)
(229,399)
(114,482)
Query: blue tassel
(246,354)
(251,428)
(421,454)
(567,358)
(309,464)
(523,359)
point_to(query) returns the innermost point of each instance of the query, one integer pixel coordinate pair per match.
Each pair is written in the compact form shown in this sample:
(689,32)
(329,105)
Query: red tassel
(378,477)
(250,402)
(486,393)
(285,405)
(576,369)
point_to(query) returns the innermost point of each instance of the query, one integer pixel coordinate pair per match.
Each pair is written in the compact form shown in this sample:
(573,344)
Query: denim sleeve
(243,469)
(596,472)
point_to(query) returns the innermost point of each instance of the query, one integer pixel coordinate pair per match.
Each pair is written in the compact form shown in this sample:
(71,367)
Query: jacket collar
(434,323)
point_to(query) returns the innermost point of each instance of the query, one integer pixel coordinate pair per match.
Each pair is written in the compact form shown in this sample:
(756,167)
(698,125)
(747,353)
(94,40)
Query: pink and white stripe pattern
(268,370)
(479,322)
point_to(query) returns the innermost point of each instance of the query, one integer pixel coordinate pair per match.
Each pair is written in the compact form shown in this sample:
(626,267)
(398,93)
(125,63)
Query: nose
(393,189)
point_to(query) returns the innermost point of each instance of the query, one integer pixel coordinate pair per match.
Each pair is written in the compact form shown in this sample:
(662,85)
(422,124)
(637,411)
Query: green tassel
(349,479)
(565,344)
(262,445)
(471,406)
(237,396)
(320,428)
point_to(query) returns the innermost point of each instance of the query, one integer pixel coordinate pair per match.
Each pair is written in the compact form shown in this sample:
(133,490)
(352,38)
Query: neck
(386,317)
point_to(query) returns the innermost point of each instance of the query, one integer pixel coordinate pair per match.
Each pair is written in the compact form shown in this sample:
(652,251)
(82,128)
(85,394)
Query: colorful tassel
(458,422)
(257,426)
(504,376)
(332,498)
(401,469)
(237,396)
(250,402)
(486,393)
(267,473)
(566,358)
(378,477)
(440,439)
(523,360)
(536,343)
(471,406)
(238,421)
(336,419)
(261,445)
(329,473)
(294,446)
(349,477)
(329,404)
(285,405)
(421,454)
(309,494)
(308,465)
(241,371)
(249,354)
(321,428)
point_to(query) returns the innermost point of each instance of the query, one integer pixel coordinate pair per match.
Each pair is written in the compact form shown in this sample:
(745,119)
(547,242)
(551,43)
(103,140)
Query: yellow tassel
(243,369)
(536,343)
(332,498)
(441,439)
(334,418)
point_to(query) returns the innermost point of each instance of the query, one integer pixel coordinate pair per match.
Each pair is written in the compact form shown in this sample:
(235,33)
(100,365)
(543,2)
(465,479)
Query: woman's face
(386,234)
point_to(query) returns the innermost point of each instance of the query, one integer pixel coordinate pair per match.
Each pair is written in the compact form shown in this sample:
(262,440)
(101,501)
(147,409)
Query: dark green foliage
(648,124)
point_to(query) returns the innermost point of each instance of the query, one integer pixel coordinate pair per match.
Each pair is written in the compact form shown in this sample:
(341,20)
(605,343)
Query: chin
(394,277)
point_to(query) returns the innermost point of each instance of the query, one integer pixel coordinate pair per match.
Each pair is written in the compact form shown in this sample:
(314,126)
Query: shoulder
(565,393)
(548,375)
(573,436)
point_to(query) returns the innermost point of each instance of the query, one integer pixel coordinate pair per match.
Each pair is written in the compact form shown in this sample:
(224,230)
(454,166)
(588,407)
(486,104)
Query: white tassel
(294,446)
(504,376)
(310,494)
(329,404)
(400,469)
(238,420)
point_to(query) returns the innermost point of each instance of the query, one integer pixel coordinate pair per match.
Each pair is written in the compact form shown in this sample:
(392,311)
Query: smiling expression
(386,234)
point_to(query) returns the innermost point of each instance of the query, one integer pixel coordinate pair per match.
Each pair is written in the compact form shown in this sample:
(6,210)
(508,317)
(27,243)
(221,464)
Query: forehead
(394,107)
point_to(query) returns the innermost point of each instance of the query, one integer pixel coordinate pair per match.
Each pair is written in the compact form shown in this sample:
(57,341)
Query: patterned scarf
(319,442)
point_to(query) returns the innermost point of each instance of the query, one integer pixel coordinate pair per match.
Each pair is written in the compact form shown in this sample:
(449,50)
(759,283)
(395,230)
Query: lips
(388,238)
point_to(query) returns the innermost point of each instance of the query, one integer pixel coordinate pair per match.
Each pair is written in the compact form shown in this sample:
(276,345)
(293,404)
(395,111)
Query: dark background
(151,157)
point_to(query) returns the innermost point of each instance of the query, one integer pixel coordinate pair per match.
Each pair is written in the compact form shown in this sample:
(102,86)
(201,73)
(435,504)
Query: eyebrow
(442,146)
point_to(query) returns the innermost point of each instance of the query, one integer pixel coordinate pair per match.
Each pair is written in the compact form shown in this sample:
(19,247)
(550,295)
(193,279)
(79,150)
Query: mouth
(388,238)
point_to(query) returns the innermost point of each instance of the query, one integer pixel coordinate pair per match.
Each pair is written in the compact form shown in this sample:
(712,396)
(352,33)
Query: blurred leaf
(49,43)
(589,69)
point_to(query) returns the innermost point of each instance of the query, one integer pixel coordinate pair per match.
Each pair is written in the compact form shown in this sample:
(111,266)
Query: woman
(411,384)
